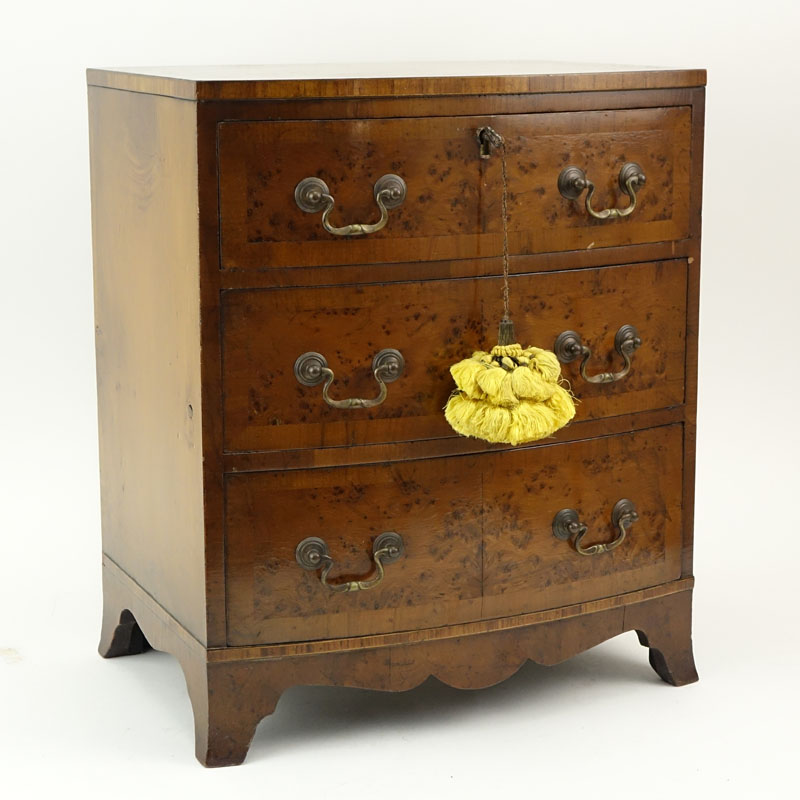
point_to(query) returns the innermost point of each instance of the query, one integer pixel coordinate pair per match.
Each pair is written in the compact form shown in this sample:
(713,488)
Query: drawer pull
(312,554)
(312,195)
(569,346)
(311,369)
(573,180)
(567,524)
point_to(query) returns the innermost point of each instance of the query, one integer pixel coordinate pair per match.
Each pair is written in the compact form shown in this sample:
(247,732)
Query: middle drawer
(432,325)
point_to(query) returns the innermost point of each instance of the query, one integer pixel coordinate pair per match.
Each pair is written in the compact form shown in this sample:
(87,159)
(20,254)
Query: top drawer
(453,200)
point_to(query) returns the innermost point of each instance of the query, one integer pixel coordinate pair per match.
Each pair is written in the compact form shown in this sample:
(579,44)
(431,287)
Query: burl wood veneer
(217,462)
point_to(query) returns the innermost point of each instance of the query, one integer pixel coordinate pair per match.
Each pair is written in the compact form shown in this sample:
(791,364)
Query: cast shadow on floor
(308,714)
(316,713)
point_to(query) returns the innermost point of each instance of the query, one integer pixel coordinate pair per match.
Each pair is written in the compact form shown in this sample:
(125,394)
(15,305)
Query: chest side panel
(147,315)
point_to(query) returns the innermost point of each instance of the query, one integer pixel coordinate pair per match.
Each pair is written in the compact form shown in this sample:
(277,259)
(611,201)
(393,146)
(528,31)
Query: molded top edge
(287,81)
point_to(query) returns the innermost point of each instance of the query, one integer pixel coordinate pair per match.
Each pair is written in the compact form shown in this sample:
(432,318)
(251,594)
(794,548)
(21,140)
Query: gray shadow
(308,714)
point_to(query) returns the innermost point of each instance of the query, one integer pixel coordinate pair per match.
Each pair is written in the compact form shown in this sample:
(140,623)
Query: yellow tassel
(465,373)
(545,363)
(561,403)
(511,395)
(530,385)
(495,383)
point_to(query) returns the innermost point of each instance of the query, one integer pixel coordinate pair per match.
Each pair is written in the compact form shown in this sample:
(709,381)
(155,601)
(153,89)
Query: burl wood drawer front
(433,325)
(452,206)
(526,568)
(437,581)
(477,535)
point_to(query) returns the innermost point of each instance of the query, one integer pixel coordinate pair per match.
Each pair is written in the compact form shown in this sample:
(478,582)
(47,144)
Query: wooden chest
(267,532)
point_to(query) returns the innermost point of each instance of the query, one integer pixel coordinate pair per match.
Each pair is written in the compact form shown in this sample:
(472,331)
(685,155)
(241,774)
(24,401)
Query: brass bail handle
(569,346)
(311,369)
(312,554)
(573,180)
(312,195)
(567,525)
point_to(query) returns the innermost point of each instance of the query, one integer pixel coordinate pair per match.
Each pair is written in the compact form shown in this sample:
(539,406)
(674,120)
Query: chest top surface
(399,79)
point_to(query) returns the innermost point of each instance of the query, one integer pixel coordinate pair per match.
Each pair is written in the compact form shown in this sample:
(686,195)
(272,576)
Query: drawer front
(476,531)
(452,204)
(526,568)
(270,598)
(433,325)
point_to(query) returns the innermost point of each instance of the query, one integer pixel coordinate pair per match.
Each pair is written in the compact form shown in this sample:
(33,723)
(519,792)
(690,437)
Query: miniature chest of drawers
(287,262)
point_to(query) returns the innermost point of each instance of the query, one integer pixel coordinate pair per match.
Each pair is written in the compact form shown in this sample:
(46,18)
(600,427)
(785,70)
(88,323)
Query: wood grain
(214,112)
(344,275)
(196,342)
(692,335)
(526,568)
(434,325)
(348,455)
(434,506)
(477,535)
(454,197)
(229,698)
(210,114)
(147,323)
(399,80)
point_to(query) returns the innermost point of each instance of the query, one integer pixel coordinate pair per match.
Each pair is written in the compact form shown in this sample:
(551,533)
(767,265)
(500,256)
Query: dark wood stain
(300,82)
(216,462)
(434,325)
(527,568)
(458,214)
(477,533)
(233,689)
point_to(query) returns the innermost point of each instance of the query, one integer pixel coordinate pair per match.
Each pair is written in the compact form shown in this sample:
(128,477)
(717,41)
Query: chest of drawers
(286,265)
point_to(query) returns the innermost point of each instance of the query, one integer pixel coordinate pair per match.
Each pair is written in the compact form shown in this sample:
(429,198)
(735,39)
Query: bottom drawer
(477,535)
(526,568)
(435,507)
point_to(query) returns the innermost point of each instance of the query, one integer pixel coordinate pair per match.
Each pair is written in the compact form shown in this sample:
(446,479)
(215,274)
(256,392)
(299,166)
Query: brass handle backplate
(311,369)
(312,195)
(567,525)
(569,346)
(573,180)
(312,554)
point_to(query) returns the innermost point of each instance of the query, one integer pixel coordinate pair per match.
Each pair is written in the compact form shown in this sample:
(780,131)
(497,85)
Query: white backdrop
(602,722)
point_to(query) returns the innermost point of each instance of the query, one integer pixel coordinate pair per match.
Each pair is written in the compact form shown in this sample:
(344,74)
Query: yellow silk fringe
(517,400)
